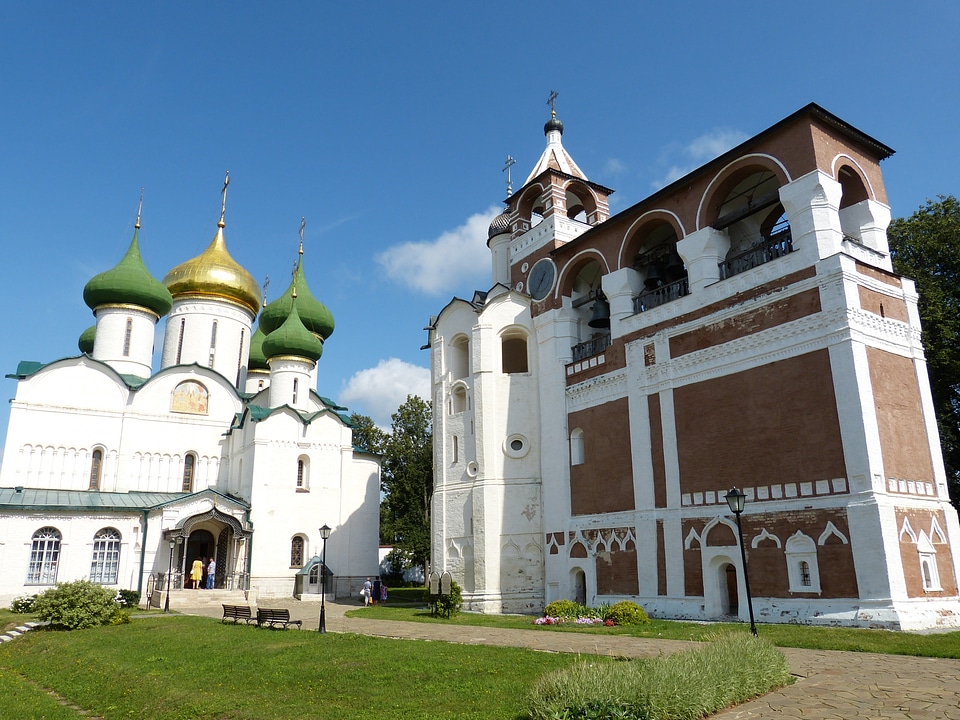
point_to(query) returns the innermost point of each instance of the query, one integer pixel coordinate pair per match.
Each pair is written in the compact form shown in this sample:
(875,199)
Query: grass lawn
(195,668)
(945,645)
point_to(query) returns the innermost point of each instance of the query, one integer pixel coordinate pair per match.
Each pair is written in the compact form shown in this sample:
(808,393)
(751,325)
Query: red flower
(609,623)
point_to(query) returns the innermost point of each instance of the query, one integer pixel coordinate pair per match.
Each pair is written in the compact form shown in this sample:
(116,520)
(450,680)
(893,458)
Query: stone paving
(830,685)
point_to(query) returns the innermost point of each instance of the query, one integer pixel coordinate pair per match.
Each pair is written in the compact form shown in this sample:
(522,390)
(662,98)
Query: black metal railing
(591,347)
(763,252)
(660,296)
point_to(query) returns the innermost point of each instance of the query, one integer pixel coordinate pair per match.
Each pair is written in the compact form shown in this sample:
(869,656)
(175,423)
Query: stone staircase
(211,598)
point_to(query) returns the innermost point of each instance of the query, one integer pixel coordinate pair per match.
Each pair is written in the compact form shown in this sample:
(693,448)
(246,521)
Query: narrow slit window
(128,334)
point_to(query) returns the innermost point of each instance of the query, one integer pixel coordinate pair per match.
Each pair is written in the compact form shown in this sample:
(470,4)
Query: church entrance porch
(213,534)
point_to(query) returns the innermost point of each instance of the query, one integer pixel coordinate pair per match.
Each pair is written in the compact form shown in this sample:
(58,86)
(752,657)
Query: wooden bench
(237,613)
(276,617)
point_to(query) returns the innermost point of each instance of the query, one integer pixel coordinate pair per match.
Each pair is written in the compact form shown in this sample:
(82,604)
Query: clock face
(541,279)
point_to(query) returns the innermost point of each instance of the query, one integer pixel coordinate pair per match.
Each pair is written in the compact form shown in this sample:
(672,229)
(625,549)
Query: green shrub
(120,617)
(446,606)
(627,613)
(76,605)
(565,610)
(129,598)
(682,686)
(23,604)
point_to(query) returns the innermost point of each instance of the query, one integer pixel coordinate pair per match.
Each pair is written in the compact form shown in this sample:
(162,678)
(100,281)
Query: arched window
(183,324)
(296,390)
(459,359)
(514,353)
(296,551)
(96,469)
(105,563)
(126,337)
(459,399)
(928,563)
(576,447)
(44,557)
(313,579)
(456,449)
(303,473)
(189,465)
(803,571)
(240,358)
(213,343)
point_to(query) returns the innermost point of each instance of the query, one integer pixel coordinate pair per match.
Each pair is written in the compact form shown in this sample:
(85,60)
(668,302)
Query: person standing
(367,592)
(375,598)
(196,573)
(211,573)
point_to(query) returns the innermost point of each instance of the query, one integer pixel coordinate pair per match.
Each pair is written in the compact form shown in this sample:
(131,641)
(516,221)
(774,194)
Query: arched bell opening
(747,207)
(591,309)
(654,257)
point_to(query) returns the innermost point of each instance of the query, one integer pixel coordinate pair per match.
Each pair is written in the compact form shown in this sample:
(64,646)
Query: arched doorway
(200,544)
(731,604)
(579,586)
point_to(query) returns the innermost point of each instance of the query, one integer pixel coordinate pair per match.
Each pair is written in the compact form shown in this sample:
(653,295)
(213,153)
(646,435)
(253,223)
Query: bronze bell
(601,313)
(675,267)
(654,277)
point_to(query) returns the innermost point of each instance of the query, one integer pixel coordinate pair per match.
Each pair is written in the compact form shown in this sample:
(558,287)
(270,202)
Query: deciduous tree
(926,248)
(407,483)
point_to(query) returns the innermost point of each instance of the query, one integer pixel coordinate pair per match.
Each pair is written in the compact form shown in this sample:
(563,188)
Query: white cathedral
(125,475)
(742,326)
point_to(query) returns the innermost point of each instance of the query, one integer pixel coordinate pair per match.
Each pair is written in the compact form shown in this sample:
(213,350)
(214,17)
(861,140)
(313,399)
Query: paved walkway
(830,686)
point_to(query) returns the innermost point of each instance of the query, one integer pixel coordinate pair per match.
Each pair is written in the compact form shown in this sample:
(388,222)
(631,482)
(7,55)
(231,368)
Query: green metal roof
(26,368)
(45,499)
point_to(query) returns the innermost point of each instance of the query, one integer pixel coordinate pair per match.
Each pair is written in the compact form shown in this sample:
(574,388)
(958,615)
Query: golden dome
(213,273)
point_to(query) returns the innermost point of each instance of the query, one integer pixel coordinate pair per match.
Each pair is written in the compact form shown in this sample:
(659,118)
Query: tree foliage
(926,247)
(407,483)
(367,435)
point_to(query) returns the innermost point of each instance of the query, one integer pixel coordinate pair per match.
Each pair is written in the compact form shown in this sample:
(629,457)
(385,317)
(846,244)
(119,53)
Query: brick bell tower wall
(774,422)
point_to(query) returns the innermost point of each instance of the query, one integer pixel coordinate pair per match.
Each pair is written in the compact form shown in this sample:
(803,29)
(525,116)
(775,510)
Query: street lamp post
(324,534)
(166,602)
(735,499)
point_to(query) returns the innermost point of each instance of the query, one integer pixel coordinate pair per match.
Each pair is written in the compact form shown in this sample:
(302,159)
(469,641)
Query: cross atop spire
(509,163)
(552,102)
(266,284)
(223,201)
(139,209)
(303,224)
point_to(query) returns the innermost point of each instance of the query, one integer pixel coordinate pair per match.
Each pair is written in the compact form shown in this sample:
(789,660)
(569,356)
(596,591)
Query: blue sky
(387,124)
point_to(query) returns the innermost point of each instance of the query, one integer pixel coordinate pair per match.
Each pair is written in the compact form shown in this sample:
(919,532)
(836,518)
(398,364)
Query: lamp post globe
(736,500)
(324,535)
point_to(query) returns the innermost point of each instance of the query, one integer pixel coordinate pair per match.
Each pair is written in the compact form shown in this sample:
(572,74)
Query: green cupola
(129,283)
(292,337)
(257,361)
(313,314)
(85,343)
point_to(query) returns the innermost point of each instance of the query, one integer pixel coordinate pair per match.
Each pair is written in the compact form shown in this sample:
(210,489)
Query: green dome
(129,283)
(313,313)
(86,340)
(293,338)
(258,361)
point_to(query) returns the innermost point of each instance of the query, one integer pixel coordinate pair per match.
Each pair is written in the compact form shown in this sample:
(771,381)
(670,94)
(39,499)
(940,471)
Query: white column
(702,252)
(812,203)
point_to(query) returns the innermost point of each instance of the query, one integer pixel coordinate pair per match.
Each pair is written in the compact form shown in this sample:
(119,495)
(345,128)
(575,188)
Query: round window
(516,446)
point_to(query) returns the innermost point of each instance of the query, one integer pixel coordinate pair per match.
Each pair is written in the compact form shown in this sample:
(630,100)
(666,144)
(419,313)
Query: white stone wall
(229,352)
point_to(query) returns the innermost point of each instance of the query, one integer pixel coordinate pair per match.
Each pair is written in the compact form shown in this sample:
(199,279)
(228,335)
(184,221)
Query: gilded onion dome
(257,360)
(86,340)
(213,273)
(313,314)
(293,338)
(129,283)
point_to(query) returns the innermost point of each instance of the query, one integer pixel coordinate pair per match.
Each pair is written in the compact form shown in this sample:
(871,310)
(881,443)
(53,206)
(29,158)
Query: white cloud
(614,166)
(453,261)
(379,391)
(698,151)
